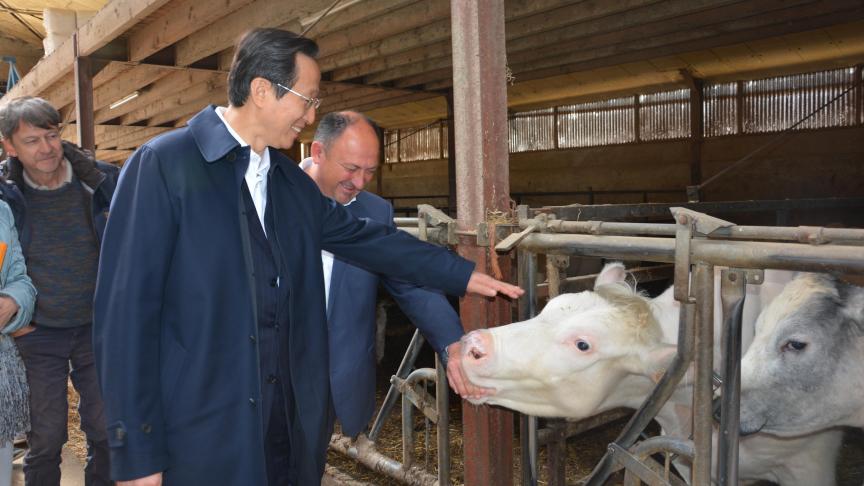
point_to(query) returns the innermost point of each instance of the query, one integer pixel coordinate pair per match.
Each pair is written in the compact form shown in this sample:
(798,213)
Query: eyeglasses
(353,169)
(310,102)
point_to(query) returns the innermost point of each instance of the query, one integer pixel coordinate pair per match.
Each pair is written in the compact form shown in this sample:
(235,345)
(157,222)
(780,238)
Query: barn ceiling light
(131,96)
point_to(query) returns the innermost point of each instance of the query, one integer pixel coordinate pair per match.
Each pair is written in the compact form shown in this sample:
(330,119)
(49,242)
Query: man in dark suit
(344,159)
(209,323)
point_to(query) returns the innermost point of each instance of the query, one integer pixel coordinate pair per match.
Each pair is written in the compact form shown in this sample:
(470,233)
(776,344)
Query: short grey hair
(32,110)
(334,124)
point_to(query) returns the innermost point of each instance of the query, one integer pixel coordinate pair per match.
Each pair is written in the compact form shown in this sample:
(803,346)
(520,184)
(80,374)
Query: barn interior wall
(807,164)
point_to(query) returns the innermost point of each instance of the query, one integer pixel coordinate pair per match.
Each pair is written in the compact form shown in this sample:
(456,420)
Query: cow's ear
(653,363)
(612,273)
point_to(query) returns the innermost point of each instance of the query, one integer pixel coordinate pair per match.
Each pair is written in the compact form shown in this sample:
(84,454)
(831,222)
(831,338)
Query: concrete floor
(71,469)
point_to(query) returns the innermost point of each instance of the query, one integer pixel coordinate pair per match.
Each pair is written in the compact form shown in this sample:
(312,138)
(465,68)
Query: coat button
(146,428)
(274,282)
(252,337)
(252,402)
(232,157)
(272,379)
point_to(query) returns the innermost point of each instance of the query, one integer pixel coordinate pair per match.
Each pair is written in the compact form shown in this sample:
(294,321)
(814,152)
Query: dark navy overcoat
(351,322)
(174,324)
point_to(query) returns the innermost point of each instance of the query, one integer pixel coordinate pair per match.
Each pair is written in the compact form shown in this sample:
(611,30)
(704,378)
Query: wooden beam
(112,21)
(128,82)
(177,21)
(173,82)
(352,14)
(426,34)
(386,25)
(392,101)
(113,156)
(225,32)
(84,99)
(63,92)
(382,63)
(217,97)
(190,94)
(751,28)
(132,138)
(109,23)
(48,71)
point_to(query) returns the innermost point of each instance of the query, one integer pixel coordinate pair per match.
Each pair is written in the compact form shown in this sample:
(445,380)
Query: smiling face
(348,163)
(805,369)
(569,360)
(286,117)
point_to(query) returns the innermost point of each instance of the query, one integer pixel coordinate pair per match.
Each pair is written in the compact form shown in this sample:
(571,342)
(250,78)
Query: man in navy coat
(344,159)
(209,325)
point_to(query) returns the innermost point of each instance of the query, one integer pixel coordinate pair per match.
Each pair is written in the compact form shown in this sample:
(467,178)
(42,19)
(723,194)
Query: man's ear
(258,91)
(317,151)
(8,148)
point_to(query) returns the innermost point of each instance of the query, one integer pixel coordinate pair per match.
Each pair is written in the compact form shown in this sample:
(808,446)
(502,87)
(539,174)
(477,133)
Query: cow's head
(571,358)
(804,370)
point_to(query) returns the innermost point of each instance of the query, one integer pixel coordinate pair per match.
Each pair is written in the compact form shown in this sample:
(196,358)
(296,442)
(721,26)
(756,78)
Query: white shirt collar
(40,187)
(256,172)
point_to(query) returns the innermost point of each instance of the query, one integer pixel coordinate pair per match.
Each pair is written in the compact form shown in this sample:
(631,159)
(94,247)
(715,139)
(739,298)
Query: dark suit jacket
(351,321)
(175,329)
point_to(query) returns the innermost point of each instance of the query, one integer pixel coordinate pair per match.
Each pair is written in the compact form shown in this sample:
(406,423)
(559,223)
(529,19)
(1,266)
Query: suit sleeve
(428,309)
(136,252)
(385,250)
(18,286)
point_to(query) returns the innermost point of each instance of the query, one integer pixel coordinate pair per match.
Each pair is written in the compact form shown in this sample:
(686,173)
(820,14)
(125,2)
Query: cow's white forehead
(568,305)
(796,294)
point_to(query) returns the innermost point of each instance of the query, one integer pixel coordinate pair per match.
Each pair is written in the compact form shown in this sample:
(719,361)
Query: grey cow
(804,370)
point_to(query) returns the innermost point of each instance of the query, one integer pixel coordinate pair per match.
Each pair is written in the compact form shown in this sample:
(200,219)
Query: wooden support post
(84,99)
(482,185)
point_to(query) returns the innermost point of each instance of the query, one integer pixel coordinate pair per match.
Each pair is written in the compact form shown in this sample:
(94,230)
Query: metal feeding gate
(695,244)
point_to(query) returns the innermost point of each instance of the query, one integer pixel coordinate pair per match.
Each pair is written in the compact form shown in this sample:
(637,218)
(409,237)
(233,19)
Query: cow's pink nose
(476,345)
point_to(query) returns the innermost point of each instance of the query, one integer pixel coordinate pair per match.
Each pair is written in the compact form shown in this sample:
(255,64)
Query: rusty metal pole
(482,184)
(84,99)
(451,157)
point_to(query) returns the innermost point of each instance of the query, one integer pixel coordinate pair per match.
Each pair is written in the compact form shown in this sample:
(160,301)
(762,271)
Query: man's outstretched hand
(482,284)
(456,376)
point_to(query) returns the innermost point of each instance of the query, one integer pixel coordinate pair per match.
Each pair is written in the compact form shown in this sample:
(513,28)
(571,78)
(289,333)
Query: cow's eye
(582,345)
(792,345)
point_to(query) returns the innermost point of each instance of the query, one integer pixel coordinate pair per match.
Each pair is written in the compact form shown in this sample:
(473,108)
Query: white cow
(594,351)
(805,368)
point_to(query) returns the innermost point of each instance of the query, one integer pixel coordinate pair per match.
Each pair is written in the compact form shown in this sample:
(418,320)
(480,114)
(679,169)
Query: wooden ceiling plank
(430,33)
(713,41)
(63,92)
(782,21)
(45,73)
(216,97)
(180,98)
(351,15)
(386,25)
(16,47)
(127,83)
(134,140)
(113,20)
(383,63)
(173,82)
(183,18)
(224,32)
